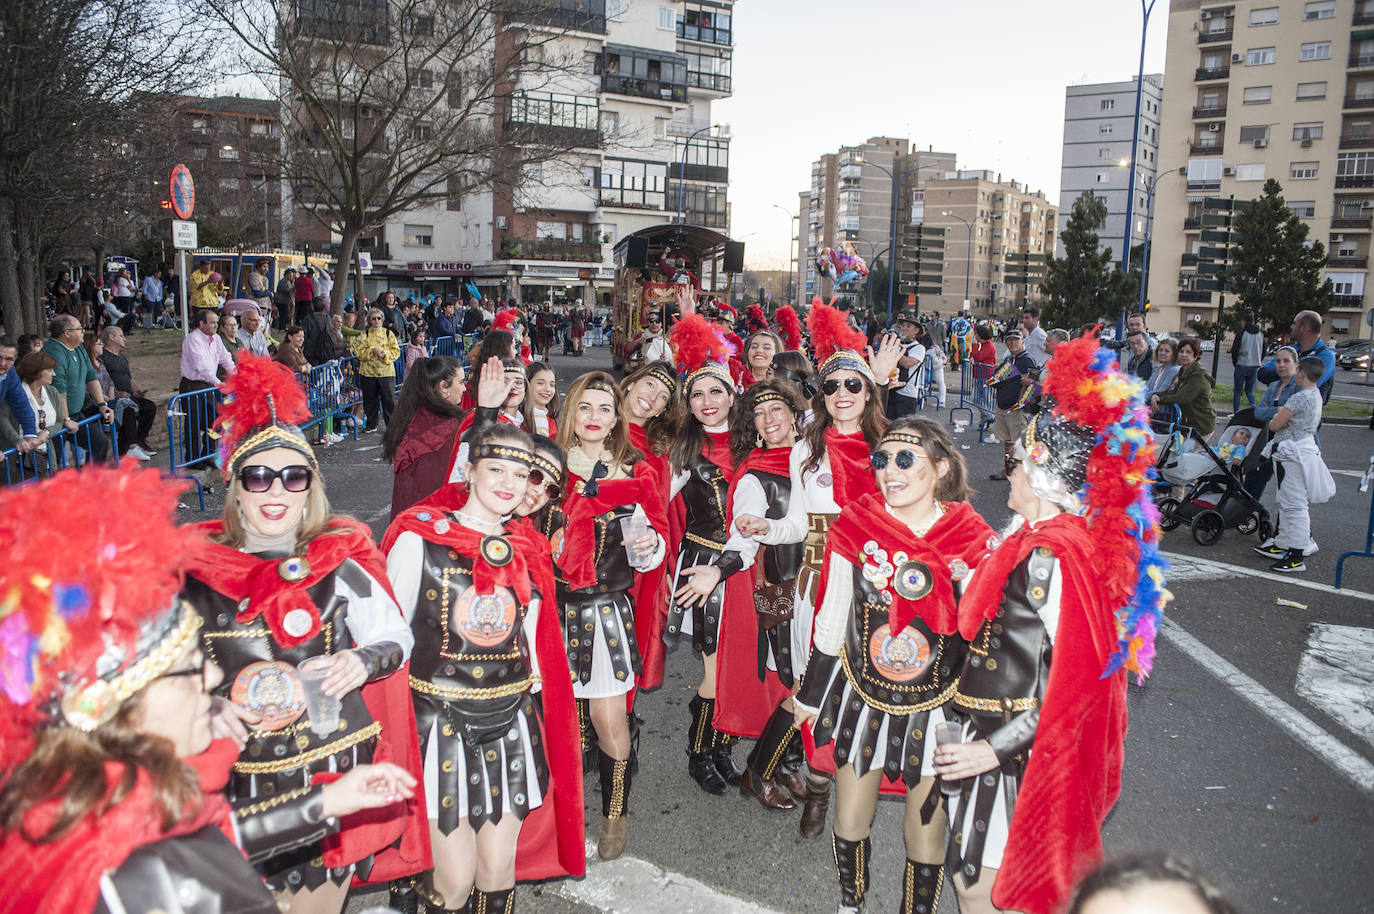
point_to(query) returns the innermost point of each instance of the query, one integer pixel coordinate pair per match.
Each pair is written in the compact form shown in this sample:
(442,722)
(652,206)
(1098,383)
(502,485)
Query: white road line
(632,886)
(1335,753)
(1225,570)
(1336,673)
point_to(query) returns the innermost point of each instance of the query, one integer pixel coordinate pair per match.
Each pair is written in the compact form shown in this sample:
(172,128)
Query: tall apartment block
(1097,138)
(1278,89)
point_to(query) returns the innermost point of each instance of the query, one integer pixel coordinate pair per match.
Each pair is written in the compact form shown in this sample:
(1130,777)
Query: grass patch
(1336,408)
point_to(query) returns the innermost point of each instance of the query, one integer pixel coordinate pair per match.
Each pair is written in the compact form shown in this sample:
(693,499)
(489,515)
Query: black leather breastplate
(199,873)
(780,563)
(1009,661)
(465,642)
(613,571)
(911,670)
(704,495)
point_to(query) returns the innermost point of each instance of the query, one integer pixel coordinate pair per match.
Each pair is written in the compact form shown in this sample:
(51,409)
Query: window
(227,125)
(667,18)
(425,79)
(1103,177)
(1210,100)
(1311,131)
(1364,89)
(708,68)
(422,26)
(1360,130)
(228,183)
(1267,16)
(1309,91)
(229,153)
(1108,104)
(1303,209)
(1347,283)
(1104,129)
(615,10)
(1325,9)
(200,125)
(1257,95)
(422,132)
(200,152)
(1250,134)
(1202,172)
(555,230)
(1302,171)
(1315,50)
(1250,172)
(610,122)
(453,193)
(419,236)
(704,22)
(554,109)
(1104,152)
(625,182)
(1256,57)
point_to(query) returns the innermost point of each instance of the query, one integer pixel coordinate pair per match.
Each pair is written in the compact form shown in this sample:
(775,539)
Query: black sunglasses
(196,670)
(553,489)
(831,386)
(258,479)
(905,459)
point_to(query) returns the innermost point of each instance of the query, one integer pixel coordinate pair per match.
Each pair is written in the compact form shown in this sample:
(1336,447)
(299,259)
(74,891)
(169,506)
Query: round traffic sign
(183,192)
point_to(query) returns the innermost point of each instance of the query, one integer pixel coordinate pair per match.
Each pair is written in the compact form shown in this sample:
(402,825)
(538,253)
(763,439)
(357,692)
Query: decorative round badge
(958,569)
(899,558)
(423,515)
(272,689)
(1038,453)
(441,526)
(298,622)
(901,657)
(556,541)
(913,580)
(824,480)
(993,542)
(294,568)
(485,619)
(870,547)
(496,550)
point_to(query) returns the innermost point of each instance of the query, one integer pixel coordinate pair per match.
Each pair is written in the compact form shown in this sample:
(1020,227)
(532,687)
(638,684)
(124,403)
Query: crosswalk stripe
(631,886)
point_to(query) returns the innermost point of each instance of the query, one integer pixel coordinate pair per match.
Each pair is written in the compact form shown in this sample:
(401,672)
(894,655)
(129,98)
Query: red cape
(960,534)
(577,554)
(553,836)
(237,575)
(850,466)
(650,593)
(63,876)
(1074,775)
(743,703)
(422,462)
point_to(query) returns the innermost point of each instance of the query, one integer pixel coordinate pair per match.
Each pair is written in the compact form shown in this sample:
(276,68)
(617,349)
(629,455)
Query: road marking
(1335,753)
(630,886)
(1358,474)
(1336,673)
(1186,568)
(1223,570)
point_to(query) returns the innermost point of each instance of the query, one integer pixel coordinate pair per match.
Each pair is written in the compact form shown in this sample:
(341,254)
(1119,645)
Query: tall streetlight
(968,263)
(892,229)
(1150,185)
(793,242)
(1145,10)
(682,166)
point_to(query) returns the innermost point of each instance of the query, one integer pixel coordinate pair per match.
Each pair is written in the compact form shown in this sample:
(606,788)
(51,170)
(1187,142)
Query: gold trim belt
(869,700)
(994,704)
(703,541)
(314,755)
(453,693)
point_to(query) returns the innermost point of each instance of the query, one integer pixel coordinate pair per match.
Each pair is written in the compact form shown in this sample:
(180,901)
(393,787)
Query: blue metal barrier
(447,345)
(62,451)
(975,394)
(327,393)
(190,417)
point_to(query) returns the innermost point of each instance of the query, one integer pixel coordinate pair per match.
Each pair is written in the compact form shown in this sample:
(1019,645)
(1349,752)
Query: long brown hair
(659,430)
(499,343)
(421,389)
(743,435)
(872,423)
(687,444)
(938,445)
(527,405)
(623,453)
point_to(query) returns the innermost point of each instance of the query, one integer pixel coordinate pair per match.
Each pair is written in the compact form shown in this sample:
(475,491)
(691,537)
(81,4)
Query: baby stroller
(1212,498)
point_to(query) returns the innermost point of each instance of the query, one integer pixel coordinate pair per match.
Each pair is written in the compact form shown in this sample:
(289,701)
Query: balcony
(1354,181)
(1359,61)
(1209,113)
(1194,295)
(714,174)
(1348,263)
(1189,260)
(1207,73)
(691,31)
(577,15)
(1211,37)
(1347,301)
(686,126)
(1192,224)
(1362,18)
(1205,184)
(1357,102)
(1351,222)
(1357,142)
(1204,149)
(550,249)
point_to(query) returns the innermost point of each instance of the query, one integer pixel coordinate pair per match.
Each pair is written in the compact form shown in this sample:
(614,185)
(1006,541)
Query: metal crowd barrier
(63,450)
(975,394)
(190,417)
(332,390)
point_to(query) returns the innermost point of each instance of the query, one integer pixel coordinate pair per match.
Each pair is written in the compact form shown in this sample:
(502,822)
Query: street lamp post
(968,263)
(793,243)
(892,228)
(1150,184)
(682,166)
(1145,10)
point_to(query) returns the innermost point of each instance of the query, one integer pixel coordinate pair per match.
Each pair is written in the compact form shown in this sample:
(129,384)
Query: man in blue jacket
(12,391)
(1306,337)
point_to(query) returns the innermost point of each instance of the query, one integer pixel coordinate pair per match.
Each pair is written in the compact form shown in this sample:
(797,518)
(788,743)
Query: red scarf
(774,460)
(960,534)
(63,876)
(486,577)
(716,448)
(577,559)
(849,466)
(650,593)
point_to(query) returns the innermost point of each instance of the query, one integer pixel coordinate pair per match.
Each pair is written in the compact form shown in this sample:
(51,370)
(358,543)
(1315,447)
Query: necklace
(939,513)
(470,520)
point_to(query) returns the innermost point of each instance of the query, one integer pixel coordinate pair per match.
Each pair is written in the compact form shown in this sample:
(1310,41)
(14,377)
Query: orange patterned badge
(272,689)
(901,657)
(485,619)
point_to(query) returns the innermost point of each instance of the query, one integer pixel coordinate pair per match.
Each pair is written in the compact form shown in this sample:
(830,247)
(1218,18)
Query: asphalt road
(1229,759)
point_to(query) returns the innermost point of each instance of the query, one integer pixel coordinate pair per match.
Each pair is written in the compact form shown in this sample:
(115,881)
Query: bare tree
(392,104)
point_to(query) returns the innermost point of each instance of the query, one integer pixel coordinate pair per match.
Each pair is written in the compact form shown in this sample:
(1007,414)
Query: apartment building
(851,200)
(632,100)
(1279,89)
(997,234)
(1097,138)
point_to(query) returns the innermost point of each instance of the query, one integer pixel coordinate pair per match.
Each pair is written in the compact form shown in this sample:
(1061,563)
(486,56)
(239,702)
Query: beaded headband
(545,465)
(664,378)
(904,438)
(502,452)
(845,360)
(768,396)
(514,369)
(266,438)
(604,386)
(711,369)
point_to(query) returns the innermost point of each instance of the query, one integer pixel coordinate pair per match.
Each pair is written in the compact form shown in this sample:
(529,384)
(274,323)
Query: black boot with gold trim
(765,761)
(701,764)
(615,806)
(401,896)
(921,884)
(851,864)
(501,901)
(588,734)
(721,746)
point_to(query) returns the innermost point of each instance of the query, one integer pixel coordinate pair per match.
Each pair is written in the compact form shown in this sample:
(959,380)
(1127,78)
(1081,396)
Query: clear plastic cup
(632,527)
(323,709)
(949,731)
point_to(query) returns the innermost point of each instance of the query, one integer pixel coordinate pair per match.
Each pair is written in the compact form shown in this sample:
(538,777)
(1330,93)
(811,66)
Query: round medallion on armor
(294,568)
(556,541)
(824,480)
(485,619)
(441,526)
(298,622)
(958,569)
(496,550)
(272,689)
(913,580)
(870,547)
(901,657)
(423,515)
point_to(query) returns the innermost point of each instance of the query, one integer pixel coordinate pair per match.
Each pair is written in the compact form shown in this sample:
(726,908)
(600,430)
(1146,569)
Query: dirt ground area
(155,360)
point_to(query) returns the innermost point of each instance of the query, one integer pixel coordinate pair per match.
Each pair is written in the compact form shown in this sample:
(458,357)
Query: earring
(758,440)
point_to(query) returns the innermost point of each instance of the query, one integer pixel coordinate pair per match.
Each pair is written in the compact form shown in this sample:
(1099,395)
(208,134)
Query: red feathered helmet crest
(89,612)
(754,318)
(505,319)
(264,407)
(838,346)
(790,326)
(699,350)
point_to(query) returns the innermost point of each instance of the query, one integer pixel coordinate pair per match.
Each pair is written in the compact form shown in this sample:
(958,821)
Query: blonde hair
(314,520)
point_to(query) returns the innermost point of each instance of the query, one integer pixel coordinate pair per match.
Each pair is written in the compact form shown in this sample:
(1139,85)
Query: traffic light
(1147,307)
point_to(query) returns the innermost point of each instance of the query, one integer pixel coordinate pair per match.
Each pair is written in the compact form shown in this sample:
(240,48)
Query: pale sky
(984,79)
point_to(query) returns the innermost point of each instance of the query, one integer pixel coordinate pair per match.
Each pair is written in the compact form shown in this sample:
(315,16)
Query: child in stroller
(1207,494)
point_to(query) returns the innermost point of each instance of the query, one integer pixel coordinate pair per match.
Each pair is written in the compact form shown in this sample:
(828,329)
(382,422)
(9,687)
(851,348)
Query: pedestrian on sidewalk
(1247,354)
(1009,380)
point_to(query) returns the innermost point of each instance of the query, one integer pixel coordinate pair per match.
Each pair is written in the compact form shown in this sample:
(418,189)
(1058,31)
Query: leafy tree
(1273,268)
(1083,286)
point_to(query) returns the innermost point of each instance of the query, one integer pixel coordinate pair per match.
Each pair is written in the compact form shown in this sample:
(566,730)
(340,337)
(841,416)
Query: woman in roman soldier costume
(483,388)
(1055,617)
(887,650)
(829,468)
(282,584)
(502,776)
(611,489)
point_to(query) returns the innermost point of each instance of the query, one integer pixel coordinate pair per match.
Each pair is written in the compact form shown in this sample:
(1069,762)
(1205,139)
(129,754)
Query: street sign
(184,235)
(364,261)
(1369,318)
(183,191)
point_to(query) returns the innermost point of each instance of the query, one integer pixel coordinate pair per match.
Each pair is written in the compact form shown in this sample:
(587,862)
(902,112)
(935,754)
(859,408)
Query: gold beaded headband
(904,438)
(664,378)
(544,464)
(604,386)
(711,369)
(768,396)
(270,436)
(845,360)
(513,369)
(502,452)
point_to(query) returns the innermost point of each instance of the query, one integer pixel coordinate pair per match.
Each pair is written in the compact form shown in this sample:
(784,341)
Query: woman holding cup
(887,651)
(604,536)
(283,584)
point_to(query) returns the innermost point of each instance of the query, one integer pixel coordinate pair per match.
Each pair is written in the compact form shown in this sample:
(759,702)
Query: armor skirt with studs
(703,622)
(868,738)
(599,634)
(980,816)
(483,759)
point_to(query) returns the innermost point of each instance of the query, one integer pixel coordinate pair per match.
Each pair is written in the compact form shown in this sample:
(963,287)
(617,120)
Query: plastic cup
(949,731)
(323,709)
(632,527)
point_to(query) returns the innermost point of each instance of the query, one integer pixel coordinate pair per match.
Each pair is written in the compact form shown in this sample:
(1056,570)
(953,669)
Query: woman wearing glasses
(475,587)
(887,651)
(605,535)
(829,468)
(282,585)
(377,350)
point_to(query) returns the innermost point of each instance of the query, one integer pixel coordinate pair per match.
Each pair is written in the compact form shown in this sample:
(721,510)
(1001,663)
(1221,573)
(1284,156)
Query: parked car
(1354,358)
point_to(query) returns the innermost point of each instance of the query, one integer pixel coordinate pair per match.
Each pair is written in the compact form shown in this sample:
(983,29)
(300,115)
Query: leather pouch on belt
(490,724)
(773,602)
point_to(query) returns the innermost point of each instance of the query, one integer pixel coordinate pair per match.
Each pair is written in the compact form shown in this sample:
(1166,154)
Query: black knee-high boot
(636,723)
(766,760)
(402,898)
(721,745)
(589,741)
(851,863)
(615,806)
(701,764)
(921,884)
(499,902)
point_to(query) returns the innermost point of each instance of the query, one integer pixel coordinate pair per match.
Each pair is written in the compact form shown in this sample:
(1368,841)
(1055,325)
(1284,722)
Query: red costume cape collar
(715,447)
(242,576)
(960,535)
(849,466)
(577,553)
(775,460)
(437,527)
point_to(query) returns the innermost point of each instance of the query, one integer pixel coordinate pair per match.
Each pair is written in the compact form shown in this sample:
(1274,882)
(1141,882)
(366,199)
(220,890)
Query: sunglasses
(259,479)
(832,386)
(904,459)
(198,669)
(553,489)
